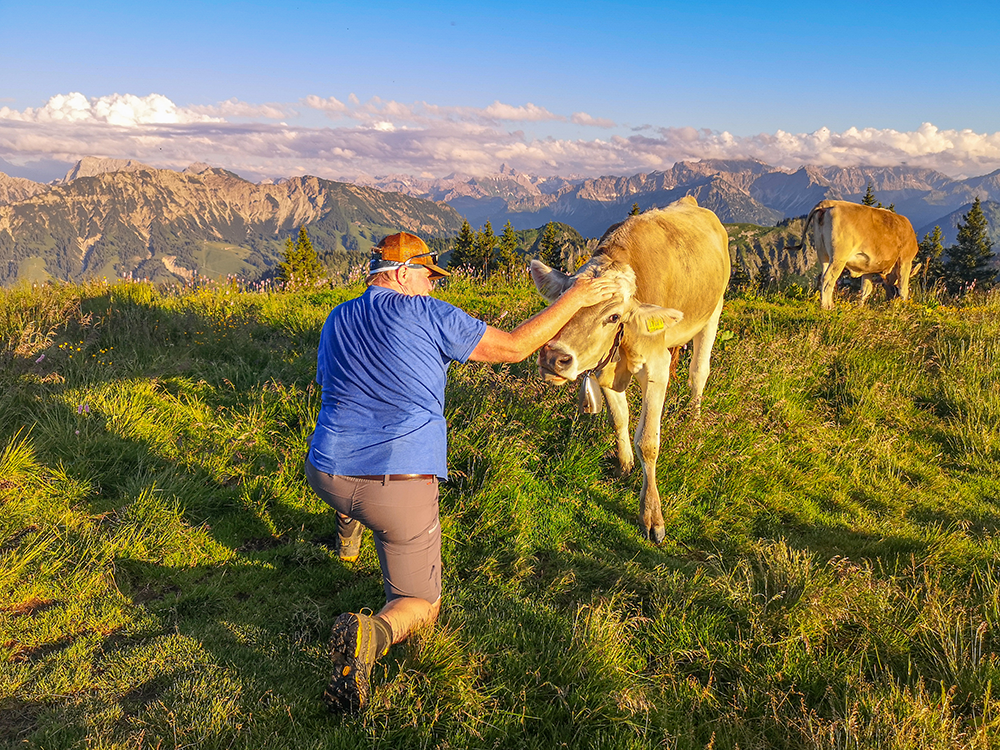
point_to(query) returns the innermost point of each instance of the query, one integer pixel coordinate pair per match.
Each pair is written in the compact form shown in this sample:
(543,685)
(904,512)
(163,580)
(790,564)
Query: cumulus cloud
(124,110)
(953,152)
(382,137)
(330,104)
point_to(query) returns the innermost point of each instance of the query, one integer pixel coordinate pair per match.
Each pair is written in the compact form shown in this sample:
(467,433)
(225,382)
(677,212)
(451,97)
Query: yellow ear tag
(653,325)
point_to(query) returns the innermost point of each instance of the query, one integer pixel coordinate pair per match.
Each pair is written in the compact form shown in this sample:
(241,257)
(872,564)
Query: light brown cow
(673,268)
(873,243)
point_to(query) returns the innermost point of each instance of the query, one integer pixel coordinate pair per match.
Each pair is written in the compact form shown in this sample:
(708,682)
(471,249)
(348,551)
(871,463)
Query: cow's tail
(815,214)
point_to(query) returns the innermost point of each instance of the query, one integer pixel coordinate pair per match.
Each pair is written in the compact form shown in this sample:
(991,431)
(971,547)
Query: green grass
(828,579)
(219,259)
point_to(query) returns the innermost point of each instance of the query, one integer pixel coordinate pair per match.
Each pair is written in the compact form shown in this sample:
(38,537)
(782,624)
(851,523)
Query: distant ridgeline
(167,226)
(109,218)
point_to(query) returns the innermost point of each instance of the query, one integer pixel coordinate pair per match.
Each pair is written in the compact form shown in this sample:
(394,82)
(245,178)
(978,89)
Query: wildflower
(40,359)
(83,409)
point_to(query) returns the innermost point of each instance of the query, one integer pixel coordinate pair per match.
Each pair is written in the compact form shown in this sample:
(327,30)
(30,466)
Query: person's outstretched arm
(500,346)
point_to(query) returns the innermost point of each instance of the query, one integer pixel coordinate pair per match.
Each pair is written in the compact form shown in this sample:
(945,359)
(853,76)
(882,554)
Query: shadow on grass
(278,574)
(261,609)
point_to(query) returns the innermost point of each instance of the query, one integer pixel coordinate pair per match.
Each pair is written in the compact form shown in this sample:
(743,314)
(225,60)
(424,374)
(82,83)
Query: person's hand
(588,290)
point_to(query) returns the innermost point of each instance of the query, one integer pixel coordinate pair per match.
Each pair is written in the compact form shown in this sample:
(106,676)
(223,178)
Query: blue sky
(587,88)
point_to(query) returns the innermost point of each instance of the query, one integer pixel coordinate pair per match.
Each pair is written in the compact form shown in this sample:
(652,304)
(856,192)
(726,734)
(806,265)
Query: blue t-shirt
(383,362)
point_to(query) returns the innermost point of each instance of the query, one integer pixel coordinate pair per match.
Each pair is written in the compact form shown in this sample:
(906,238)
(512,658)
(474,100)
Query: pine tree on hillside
(635,210)
(508,255)
(968,260)
(869,199)
(300,265)
(549,251)
(463,250)
(930,251)
(484,246)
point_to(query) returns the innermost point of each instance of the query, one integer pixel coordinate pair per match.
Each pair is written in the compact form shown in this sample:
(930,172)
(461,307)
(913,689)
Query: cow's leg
(618,409)
(903,285)
(868,286)
(829,283)
(701,356)
(824,267)
(647,443)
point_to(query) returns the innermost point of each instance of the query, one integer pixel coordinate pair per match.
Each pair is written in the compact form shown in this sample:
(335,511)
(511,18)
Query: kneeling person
(379,449)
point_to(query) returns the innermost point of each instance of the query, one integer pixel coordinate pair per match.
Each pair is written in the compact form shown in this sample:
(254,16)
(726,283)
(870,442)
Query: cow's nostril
(564,361)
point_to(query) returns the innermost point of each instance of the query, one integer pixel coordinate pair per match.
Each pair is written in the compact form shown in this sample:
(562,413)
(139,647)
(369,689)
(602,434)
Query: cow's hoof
(656,535)
(623,470)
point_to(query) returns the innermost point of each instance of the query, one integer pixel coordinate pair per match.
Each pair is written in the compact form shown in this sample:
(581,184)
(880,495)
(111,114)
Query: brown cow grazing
(873,243)
(672,266)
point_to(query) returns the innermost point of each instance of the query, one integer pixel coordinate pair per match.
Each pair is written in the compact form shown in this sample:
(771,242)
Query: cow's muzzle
(555,365)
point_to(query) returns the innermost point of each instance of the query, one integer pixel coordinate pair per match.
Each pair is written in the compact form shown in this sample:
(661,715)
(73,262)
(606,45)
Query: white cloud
(528,113)
(329,105)
(236,108)
(424,113)
(122,110)
(386,137)
(582,118)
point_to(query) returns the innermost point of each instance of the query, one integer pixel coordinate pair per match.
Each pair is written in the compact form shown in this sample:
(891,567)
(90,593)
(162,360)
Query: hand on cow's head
(598,281)
(587,291)
(607,292)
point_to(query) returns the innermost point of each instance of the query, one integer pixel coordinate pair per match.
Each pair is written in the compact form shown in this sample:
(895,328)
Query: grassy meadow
(829,578)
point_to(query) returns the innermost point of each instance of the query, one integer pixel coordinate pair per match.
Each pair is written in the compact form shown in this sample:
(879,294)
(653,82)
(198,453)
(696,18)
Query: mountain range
(108,219)
(736,190)
(118,217)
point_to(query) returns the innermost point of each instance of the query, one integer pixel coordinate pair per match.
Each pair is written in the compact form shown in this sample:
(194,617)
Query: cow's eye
(612,319)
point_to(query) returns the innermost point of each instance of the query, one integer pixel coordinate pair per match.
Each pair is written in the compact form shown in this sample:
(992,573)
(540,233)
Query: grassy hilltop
(828,579)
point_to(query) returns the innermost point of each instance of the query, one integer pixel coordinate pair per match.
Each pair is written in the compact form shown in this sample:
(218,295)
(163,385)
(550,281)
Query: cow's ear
(652,320)
(549,282)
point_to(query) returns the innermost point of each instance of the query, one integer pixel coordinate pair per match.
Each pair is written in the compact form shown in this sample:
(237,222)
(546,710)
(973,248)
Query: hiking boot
(354,651)
(349,533)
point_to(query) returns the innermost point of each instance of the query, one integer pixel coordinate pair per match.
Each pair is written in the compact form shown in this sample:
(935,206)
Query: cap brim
(436,271)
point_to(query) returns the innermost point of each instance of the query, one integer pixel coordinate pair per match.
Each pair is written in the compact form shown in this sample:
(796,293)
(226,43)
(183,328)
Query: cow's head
(590,334)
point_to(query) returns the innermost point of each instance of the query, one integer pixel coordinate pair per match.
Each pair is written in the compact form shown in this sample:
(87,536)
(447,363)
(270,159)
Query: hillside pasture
(828,578)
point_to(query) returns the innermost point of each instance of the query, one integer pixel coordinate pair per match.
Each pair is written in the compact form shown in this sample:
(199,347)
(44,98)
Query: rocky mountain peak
(13,189)
(197,168)
(91,166)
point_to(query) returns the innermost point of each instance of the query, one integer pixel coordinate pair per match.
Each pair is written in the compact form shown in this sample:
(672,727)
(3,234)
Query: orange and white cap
(404,249)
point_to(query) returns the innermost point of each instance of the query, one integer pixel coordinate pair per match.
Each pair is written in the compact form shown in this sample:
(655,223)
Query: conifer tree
(300,265)
(509,257)
(635,210)
(485,244)
(968,260)
(930,251)
(549,251)
(869,199)
(463,251)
